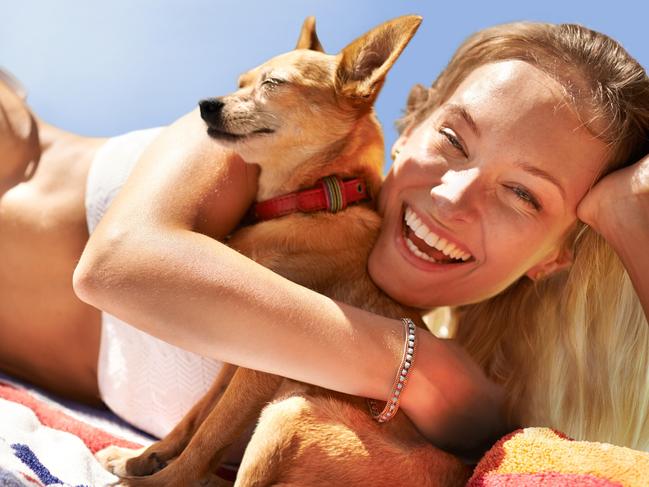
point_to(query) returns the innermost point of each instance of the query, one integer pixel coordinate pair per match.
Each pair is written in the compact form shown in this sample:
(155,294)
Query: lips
(427,245)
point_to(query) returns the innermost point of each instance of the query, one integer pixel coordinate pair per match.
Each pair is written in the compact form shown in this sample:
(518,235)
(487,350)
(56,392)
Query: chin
(391,283)
(399,285)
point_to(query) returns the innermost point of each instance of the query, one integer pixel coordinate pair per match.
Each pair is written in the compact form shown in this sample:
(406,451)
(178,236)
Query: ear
(365,62)
(560,259)
(308,38)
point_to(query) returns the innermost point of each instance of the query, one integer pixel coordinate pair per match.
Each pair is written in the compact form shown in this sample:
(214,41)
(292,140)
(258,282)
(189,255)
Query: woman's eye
(453,140)
(526,197)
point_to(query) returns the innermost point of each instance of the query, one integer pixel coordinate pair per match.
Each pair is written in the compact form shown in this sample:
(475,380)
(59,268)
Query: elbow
(101,266)
(85,279)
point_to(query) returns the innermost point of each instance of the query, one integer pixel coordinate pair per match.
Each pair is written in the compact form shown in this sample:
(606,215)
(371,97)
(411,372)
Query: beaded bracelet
(400,381)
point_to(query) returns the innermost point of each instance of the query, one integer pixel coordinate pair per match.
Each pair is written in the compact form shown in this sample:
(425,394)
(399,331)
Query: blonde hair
(573,349)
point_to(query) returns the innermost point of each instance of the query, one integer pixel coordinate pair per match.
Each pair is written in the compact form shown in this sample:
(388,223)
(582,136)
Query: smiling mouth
(225,135)
(428,246)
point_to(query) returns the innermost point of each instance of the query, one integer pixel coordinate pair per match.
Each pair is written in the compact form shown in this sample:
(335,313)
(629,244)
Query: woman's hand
(450,399)
(620,201)
(618,208)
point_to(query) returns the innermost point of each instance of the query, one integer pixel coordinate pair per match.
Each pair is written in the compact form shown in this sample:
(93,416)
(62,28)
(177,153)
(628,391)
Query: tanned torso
(42,234)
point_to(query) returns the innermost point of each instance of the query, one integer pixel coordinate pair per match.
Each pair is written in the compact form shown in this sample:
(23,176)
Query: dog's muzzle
(211,110)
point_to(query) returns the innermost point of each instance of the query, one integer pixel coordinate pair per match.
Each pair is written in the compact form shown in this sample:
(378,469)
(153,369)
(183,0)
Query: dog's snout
(211,110)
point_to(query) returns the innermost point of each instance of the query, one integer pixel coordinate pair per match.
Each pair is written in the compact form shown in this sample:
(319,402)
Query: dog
(304,116)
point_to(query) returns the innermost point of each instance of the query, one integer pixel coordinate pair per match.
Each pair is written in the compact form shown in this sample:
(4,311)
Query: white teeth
(413,248)
(422,231)
(409,214)
(432,240)
(415,223)
(450,250)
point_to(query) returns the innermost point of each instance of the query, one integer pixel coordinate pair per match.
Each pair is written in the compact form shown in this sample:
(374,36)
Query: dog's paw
(114,458)
(148,462)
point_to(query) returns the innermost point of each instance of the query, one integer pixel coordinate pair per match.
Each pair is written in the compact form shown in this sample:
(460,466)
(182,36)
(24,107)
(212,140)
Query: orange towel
(541,456)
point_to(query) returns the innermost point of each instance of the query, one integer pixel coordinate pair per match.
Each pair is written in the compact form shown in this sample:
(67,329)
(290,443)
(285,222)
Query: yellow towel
(541,456)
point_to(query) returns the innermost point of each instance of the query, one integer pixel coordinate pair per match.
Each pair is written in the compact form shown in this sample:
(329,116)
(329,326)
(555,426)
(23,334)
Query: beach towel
(45,441)
(544,457)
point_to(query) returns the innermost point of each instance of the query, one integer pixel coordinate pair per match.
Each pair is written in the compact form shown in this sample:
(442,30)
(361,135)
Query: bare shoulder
(187,179)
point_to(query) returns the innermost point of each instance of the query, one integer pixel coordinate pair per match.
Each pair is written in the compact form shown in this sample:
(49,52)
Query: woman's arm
(618,208)
(151,263)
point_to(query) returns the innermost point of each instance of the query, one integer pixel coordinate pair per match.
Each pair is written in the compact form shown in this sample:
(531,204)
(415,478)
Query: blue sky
(104,68)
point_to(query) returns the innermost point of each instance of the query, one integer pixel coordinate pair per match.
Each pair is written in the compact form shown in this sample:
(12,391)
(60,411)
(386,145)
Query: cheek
(422,167)
(408,173)
(513,248)
(386,194)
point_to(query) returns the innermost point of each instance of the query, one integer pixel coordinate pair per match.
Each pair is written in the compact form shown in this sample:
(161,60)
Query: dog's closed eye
(272,82)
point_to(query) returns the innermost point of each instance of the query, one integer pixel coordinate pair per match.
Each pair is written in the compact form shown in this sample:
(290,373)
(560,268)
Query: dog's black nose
(211,110)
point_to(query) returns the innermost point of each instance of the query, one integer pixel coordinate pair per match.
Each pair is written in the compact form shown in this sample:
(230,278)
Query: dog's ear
(308,38)
(365,62)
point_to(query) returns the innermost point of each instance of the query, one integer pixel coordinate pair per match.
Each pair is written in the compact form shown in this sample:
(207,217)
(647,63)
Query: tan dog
(302,116)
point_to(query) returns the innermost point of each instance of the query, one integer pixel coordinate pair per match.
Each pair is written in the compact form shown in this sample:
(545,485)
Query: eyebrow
(537,171)
(456,109)
(460,110)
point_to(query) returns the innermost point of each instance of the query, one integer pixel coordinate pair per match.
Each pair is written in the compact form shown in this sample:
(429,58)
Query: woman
(498,156)
(570,348)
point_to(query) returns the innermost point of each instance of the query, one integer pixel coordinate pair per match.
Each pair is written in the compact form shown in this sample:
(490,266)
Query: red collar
(330,193)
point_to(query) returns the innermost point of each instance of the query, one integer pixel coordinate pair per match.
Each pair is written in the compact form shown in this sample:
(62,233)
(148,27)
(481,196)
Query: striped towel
(44,442)
(541,456)
(48,442)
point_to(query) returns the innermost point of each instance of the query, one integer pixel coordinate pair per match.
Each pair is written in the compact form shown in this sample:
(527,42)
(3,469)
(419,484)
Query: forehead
(525,115)
(300,64)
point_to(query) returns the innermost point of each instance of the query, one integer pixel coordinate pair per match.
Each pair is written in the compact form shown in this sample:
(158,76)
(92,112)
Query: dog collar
(330,193)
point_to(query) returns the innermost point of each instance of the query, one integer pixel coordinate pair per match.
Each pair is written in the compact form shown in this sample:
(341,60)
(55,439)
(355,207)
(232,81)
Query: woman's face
(493,177)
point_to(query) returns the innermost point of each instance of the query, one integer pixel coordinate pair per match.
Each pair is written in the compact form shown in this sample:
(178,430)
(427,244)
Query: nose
(457,196)
(211,110)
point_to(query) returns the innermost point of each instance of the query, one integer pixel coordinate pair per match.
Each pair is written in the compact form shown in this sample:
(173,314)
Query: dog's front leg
(240,405)
(156,456)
